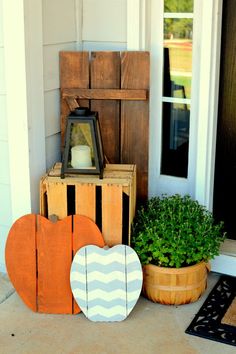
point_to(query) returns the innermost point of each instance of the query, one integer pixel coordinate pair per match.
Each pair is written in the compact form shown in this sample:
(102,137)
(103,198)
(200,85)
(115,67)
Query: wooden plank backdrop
(122,103)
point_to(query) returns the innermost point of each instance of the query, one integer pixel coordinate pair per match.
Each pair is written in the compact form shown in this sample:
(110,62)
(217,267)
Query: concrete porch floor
(150,329)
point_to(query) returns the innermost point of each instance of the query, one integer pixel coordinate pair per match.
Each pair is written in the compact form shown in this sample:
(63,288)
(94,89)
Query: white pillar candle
(81,156)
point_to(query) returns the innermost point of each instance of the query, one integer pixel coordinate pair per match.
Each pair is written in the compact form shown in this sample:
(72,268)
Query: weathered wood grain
(135,117)
(105,74)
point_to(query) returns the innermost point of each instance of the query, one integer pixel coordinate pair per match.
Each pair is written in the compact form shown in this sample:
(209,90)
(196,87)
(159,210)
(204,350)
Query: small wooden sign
(106,283)
(39,254)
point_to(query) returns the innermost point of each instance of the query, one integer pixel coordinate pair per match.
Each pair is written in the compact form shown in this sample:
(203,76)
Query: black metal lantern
(83,151)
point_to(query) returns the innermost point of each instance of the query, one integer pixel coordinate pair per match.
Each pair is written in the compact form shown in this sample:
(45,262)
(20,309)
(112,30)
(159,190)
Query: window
(177,80)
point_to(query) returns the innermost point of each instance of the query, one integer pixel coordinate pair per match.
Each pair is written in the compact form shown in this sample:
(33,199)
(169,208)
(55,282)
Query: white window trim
(205,108)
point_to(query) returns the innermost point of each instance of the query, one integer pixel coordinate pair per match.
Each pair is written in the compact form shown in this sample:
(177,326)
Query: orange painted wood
(85,200)
(54,243)
(104,94)
(105,74)
(135,130)
(112,214)
(74,73)
(85,232)
(20,255)
(39,254)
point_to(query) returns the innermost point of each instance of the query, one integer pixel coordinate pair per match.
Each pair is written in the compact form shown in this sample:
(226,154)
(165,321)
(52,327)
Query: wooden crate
(110,202)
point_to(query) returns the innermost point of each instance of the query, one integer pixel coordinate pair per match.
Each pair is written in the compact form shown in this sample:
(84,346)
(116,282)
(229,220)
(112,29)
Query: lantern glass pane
(81,150)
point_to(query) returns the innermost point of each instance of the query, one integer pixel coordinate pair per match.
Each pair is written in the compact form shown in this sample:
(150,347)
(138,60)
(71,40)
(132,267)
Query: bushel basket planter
(174,286)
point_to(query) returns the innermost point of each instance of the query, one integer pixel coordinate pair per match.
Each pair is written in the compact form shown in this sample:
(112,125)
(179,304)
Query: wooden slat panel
(106,94)
(74,73)
(57,199)
(112,214)
(20,254)
(54,243)
(85,232)
(74,70)
(85,200)
(105,74)
(135,117)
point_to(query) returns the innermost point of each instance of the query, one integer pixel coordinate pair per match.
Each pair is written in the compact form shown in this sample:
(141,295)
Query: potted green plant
(175,237)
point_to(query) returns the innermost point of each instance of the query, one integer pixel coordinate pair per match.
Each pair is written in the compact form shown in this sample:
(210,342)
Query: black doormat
(207,323)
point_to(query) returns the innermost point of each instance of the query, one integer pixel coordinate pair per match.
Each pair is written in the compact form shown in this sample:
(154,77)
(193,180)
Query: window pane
(177,57)
(175,139)
(178,6)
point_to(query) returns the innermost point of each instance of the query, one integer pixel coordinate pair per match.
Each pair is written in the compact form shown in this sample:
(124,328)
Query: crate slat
(57,199)
(112,214)
(85,200)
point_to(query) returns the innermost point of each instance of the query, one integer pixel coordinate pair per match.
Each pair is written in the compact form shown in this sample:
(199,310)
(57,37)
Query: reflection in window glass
(178,6)
(178,57)
(175,139)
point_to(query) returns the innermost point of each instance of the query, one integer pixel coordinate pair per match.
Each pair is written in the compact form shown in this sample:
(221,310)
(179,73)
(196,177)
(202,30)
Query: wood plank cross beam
(105,94)
(116,85)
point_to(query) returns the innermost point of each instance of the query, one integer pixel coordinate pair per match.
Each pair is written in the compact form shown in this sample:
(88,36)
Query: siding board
(104,20)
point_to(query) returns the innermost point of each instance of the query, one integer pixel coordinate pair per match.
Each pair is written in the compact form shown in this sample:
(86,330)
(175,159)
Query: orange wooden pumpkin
(39,254)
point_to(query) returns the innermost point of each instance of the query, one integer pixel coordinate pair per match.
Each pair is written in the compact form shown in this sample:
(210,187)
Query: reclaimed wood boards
(116,85)
(39,254)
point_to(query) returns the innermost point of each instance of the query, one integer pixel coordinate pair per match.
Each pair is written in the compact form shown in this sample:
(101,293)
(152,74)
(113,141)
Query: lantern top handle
(81,111)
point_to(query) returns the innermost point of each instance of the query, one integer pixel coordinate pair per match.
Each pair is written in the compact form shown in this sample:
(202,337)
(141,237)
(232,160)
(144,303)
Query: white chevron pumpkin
(106,283)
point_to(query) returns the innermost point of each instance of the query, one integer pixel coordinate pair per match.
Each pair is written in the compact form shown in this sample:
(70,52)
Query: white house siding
(104,25)
(5,194)
(60,22)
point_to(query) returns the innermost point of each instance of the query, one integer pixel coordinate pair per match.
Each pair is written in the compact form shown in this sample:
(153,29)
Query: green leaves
(175,231)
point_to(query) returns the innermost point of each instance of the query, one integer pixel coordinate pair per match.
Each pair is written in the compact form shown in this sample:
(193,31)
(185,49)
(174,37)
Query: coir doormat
(211,322)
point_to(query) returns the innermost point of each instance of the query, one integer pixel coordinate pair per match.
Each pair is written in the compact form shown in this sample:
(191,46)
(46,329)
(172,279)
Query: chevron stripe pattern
(106,283)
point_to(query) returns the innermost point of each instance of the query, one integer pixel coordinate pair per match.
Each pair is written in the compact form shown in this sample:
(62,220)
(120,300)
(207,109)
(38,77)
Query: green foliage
(175,232)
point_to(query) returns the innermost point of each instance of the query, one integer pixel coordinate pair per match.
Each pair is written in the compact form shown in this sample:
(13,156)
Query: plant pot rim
(177,270)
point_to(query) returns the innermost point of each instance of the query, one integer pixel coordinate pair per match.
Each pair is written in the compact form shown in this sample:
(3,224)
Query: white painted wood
(133,24)
(79,23)
(4,158)
(6,212)
(59,21)
(155,21)
(90,46)
(14,42)
(51,64)
(52,112)
(2,73)
(35,98)
(3,232)
(1,25)
(104,20)
(224,264)
(208,100)
(53,149)
(3,119)
(24,86)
